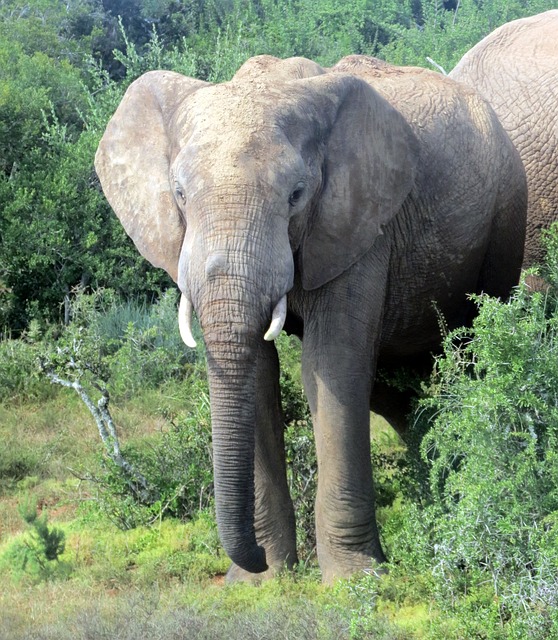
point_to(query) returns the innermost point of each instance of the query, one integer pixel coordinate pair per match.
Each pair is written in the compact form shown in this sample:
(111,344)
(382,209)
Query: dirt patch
(219,580)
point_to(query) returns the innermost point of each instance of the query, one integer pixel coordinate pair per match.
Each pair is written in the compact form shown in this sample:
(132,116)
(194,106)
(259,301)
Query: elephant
(516,69)
(350,206)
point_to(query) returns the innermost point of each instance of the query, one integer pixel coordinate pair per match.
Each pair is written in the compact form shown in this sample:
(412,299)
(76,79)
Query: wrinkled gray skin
(516,69)
(370,195)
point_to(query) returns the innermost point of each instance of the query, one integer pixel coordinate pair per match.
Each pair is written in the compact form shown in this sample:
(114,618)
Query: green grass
(161,581)
(167,581)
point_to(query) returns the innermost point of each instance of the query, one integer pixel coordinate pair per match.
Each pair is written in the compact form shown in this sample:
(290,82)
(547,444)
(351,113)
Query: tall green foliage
(445,35)
(488,535)
(58,231)
(65,66)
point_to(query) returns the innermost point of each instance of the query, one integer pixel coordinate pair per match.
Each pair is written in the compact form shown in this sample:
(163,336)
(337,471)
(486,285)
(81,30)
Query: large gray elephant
(354,205)
(516,69)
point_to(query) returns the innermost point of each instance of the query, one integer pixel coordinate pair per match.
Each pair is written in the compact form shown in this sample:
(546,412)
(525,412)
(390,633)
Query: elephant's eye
(179,193)
(296,195)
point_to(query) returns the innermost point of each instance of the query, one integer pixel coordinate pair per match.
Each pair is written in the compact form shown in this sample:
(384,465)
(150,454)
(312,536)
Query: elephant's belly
(413,327)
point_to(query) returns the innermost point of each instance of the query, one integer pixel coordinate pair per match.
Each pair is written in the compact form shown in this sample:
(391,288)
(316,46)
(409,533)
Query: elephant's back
(516,69)
(396,84)
(517,53)
(430,102)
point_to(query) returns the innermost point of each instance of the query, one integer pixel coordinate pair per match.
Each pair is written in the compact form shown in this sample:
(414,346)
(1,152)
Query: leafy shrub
(300,449)
(392,472)
(150,352)
(177,464)
(302,481)
(36,556)
(19,375)
(129,346)
(489,528)
(17,462)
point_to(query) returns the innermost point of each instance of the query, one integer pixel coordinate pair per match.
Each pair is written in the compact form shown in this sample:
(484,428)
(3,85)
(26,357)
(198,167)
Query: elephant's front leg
(337,372)
(274,514)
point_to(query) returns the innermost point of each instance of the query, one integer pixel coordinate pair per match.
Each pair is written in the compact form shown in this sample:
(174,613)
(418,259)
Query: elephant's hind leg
(274,515)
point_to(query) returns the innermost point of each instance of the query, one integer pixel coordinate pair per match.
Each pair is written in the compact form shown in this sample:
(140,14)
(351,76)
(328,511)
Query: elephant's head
(232,188)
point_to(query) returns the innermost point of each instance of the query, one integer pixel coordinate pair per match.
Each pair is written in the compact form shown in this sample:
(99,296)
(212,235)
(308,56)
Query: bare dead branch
(107,430)
(435,64)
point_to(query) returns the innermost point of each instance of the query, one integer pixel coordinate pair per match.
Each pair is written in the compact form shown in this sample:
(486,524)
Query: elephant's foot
(347,539)
(236,574)
(333,572)
(346,564)
(281,557)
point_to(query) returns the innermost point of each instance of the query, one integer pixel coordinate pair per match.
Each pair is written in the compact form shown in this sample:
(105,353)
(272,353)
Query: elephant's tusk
(277,319)
(185,311)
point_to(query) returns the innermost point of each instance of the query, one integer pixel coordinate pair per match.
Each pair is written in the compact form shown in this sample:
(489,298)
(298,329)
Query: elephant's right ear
(371,159)
(133,161)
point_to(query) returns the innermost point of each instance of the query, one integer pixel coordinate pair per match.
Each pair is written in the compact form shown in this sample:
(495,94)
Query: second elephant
(351,205)
(516,69)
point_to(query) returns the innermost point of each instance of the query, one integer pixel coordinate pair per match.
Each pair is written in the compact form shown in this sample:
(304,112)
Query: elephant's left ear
(369,170)
(133,162)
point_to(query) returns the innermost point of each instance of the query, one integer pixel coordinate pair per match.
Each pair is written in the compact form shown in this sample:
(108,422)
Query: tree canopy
(64,67)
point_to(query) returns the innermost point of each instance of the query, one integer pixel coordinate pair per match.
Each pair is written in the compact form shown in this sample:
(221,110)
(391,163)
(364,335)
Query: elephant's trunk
(232,390)
(235,272)
(232,382)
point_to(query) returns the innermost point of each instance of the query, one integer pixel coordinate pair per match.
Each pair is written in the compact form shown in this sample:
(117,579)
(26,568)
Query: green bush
(302,480)
(19,375)
(150,350)
(488,533)
(300,449)
(36,557)
(128,345)
(17,462)
(177,464)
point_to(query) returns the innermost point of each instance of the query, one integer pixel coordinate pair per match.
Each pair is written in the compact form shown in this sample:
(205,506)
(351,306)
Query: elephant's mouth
(186,310)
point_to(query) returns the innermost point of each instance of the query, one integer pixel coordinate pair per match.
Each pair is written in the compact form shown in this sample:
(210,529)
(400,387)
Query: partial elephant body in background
(516,69)
(370,199)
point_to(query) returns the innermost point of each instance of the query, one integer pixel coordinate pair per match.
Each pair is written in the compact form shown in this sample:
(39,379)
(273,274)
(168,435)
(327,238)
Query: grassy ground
(160,581)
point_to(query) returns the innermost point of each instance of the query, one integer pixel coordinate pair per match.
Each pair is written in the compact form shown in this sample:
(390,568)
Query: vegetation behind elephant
(516,69)
(351,205)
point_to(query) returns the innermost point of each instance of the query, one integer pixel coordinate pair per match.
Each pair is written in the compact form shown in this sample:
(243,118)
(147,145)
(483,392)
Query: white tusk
(277,319)
(185,311)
